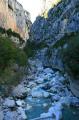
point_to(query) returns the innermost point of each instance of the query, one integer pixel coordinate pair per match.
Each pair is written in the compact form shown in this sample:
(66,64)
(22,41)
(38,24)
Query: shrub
(31,47)
(21,58)
(71,55)
(2,30)
(9,52)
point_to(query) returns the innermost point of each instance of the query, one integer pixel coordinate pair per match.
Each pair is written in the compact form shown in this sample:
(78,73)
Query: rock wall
(12,15)
(62,19)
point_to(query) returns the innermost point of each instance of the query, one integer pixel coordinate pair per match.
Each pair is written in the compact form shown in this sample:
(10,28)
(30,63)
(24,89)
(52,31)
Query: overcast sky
(33,6)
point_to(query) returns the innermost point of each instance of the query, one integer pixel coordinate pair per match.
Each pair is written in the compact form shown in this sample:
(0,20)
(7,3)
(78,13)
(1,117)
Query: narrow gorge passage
(39,64)
(49,97)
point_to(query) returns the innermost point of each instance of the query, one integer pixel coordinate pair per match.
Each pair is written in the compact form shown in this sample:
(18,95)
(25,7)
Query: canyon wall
(12,15)
(53,32)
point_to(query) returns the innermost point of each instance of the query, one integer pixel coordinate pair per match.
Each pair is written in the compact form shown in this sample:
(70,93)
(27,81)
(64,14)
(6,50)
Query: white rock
(28,90)
(45,105)
(20,103)
(21,112)
(56,110)
(31,84)
(39,80)
(11,115)
(28,107)
(38,92)
(9,102)
(45,94)
(45,115)
(48,70)
(20,91)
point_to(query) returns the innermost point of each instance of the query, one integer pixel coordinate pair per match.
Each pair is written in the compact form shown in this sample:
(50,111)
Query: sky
(32,6)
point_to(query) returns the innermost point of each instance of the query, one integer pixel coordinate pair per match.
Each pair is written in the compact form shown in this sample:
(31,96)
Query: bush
(21,58)
(71,55)
(2,30)
(10,55)
(31,47)
(9,52)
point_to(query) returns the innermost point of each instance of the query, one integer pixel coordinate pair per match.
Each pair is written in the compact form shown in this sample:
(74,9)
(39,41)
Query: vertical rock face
(12,15)
(61,20)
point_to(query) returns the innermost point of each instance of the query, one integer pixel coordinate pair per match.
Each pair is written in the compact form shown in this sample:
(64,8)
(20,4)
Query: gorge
(39,81)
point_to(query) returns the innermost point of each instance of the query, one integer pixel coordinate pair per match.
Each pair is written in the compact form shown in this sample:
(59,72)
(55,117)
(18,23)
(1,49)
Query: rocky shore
(44,90)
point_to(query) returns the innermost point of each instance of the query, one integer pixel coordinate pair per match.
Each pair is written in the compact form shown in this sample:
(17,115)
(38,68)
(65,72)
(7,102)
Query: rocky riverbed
(43,94)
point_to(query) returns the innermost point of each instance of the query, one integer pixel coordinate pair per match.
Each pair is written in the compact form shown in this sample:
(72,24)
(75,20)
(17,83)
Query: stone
(9,103)
(39,80)
(46,94)
(45,105)
(48,70)
(28,107)
(38,93)
(11,115)
(31,84)
(22,114)
(20,103)
(20,91)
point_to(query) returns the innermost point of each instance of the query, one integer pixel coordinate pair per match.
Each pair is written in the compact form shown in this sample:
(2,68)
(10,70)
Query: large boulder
(20,91)
(9,102)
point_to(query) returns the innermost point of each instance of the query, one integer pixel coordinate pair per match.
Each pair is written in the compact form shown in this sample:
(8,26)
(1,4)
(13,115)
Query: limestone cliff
(52,30)
(12,15)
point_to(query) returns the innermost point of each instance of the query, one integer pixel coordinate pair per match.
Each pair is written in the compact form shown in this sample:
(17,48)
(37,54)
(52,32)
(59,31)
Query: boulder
(38,93)
(22,114)
(20,103)
(10,103)
(20,92)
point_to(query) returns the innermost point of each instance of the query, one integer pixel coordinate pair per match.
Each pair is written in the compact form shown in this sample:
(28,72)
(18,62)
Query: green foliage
(2,30)
(71,55)
(21,58)
(32,47)
(10,56)
(9,52)
(67,37)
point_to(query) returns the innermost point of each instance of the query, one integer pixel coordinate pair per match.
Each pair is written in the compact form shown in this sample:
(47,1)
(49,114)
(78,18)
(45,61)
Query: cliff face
(12,15)
(62,20)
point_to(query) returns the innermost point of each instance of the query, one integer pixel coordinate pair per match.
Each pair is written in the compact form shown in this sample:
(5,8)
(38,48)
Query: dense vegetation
(9,52)
(71,55)
(32,47)
(12,62)
(69,45)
